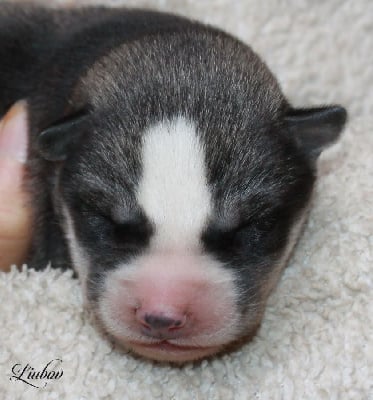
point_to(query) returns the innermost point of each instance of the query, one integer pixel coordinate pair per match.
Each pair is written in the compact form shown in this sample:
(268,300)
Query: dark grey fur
(96,78)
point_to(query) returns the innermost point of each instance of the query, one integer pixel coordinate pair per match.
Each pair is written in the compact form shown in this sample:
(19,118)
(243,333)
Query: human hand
(15,215)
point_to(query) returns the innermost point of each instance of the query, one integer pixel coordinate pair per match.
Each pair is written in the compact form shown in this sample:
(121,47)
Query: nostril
(178,323)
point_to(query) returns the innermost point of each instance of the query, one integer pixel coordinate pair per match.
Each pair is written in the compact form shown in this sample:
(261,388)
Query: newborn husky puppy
(166,168)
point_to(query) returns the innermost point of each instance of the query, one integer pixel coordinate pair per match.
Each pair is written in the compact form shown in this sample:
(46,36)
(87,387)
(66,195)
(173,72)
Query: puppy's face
(180,215)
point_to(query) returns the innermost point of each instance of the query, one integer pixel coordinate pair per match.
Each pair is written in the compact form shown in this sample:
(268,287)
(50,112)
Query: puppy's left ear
(316,128)
(56,142)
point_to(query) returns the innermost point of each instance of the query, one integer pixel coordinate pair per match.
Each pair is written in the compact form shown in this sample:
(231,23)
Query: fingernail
(14,133)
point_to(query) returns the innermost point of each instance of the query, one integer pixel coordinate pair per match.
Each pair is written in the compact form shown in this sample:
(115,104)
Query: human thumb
(15,215)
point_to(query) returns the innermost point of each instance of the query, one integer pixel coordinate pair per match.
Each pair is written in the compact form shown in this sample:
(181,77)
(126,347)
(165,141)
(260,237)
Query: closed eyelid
(133,220)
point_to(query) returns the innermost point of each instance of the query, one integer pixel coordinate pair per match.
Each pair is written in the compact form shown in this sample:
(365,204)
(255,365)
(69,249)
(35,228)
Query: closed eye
(132,232)
(255,234)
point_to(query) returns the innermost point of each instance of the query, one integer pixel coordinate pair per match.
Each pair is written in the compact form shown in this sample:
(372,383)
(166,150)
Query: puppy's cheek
(193,289)
(78,255)
(293,237)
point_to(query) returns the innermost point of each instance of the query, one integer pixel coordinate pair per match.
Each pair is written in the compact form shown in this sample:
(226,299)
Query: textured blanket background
(316,341)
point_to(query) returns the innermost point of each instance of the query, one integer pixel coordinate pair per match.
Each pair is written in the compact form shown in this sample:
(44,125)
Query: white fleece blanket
(316,340)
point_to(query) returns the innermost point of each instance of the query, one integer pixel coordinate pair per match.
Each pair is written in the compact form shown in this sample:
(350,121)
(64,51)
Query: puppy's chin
(168,352)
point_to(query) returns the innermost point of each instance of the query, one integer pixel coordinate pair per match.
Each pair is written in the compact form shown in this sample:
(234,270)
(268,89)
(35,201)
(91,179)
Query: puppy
(166,167)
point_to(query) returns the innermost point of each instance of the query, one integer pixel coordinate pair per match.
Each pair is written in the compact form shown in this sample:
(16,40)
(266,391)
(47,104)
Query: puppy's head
(183,188)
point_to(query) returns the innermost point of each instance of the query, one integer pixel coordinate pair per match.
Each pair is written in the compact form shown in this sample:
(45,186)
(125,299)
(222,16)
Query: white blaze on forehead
(173,188)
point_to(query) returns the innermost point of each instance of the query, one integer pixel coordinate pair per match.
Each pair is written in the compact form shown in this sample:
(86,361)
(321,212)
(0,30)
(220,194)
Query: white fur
(77,253)
(173,189)
(213,286)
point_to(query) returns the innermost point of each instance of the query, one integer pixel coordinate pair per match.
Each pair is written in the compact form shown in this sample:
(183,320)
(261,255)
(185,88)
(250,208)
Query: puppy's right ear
(55,142)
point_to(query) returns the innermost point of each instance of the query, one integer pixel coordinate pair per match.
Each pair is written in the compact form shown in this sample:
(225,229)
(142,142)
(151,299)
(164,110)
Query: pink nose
(157,324)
